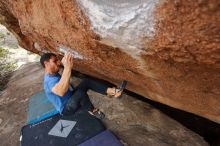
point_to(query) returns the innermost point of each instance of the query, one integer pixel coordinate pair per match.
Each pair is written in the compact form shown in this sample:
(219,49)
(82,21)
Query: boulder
(167,50)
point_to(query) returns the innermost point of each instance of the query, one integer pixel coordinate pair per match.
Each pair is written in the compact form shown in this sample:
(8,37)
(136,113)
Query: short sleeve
(52,82)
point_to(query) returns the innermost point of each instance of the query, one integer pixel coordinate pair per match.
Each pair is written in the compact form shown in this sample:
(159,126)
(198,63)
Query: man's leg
(100,87)
(79,99)
(85,103)
(94,85)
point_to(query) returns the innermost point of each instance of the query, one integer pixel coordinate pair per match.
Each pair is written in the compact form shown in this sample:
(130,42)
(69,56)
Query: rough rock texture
(14,102)
(134,122)
(167,50)
(139,124)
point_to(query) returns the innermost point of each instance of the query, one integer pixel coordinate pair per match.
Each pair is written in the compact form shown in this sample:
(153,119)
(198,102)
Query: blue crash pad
(105,138)
(40,108)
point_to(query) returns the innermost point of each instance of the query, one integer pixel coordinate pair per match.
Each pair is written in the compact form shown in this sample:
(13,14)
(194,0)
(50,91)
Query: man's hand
(62,86)
(67,61)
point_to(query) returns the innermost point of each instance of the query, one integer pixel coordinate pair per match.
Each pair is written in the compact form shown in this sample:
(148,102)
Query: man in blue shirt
(66,99)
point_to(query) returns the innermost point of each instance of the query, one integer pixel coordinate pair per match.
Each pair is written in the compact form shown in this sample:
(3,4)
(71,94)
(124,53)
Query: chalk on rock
(74,53)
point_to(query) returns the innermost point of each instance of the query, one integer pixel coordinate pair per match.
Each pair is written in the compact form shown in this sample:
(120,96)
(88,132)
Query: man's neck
(50,73)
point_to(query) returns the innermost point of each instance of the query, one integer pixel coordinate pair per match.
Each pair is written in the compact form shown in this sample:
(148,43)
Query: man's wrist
(67,68)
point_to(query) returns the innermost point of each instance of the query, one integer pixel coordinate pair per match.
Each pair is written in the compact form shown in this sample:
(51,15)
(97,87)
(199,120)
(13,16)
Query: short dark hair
(46,57)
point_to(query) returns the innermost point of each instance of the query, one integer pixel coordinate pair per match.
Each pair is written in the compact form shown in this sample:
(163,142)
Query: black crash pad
(61,130)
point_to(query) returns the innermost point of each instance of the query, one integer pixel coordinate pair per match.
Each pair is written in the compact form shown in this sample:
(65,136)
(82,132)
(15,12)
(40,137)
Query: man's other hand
(67,61)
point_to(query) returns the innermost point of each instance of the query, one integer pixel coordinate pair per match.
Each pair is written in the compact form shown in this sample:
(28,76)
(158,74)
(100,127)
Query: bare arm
(62,86)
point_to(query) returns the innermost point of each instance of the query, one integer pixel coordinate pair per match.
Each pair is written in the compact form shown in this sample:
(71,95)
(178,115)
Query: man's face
(53,65)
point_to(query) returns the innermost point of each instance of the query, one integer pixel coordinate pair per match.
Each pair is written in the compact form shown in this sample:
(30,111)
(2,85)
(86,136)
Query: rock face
(139,124)
(167,50)
(134,122)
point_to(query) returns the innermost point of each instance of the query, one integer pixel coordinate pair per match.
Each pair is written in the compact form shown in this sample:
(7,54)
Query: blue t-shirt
(49,82)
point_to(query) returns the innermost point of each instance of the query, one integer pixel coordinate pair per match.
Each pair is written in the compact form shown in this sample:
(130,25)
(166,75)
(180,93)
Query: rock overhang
(168,51)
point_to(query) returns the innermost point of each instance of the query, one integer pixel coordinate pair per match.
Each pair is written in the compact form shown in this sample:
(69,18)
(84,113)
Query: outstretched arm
(62,86)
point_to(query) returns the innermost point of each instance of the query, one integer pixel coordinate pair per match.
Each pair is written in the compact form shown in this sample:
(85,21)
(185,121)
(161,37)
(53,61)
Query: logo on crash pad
(62,128)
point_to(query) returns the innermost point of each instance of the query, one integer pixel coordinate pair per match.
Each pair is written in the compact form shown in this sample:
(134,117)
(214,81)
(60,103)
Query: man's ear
(46,63)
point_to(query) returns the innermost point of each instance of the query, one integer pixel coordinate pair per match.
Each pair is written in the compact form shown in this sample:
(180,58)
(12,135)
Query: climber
(66,98)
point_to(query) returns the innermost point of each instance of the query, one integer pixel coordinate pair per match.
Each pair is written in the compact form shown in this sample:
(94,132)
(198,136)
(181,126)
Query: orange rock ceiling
(175,61)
